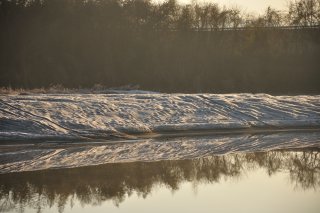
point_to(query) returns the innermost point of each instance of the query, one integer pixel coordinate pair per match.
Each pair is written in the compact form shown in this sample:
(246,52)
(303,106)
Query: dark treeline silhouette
(164,47)
(94,185)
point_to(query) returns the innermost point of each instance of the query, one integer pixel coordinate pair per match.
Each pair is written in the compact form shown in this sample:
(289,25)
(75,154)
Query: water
(275,181)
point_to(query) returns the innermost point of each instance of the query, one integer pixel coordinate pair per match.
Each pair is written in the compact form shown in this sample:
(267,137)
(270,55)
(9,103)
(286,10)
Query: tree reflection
(94,185)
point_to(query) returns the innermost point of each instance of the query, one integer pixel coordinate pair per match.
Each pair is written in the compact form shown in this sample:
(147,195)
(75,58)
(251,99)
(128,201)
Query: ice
(31,157)
(127,115)
(45,131)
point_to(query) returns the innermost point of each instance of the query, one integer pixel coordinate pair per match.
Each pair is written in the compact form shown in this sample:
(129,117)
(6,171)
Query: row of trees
(166,47)
(171,15)
(210,16)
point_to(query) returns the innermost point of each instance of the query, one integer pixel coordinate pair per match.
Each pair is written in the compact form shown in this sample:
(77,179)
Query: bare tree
(185,20)
(214,13)
(304,12)
(272,18)
(234,17)
(223,18)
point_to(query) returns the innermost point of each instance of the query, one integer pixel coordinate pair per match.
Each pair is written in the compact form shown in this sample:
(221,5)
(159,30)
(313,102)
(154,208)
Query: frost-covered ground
(43,131)
(87,116)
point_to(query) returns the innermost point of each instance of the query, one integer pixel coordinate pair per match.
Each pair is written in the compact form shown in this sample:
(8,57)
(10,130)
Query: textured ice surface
(38,156)
(87,116)
(72,130)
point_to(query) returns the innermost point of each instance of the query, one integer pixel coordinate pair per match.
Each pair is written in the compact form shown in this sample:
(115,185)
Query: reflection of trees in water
(93,185)
(305,170)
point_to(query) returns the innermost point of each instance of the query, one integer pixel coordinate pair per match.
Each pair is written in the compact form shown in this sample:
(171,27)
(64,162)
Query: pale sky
(255,6)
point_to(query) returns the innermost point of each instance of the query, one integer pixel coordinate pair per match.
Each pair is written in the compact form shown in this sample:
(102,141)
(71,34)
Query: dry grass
(59,89)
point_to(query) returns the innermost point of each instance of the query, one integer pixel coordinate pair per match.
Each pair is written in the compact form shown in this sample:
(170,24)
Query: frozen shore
(139,114)
(45,131)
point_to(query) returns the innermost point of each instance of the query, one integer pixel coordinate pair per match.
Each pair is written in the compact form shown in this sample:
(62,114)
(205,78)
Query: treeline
(165,47)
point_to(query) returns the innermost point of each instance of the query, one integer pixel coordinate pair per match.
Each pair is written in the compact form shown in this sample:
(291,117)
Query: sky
(252,6)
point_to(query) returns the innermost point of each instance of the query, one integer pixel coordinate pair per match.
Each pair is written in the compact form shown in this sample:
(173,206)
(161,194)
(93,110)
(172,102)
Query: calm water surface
(277,181)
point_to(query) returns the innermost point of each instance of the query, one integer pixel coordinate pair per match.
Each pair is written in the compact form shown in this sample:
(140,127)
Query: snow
(104,116)
(44,131)
(31,157)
